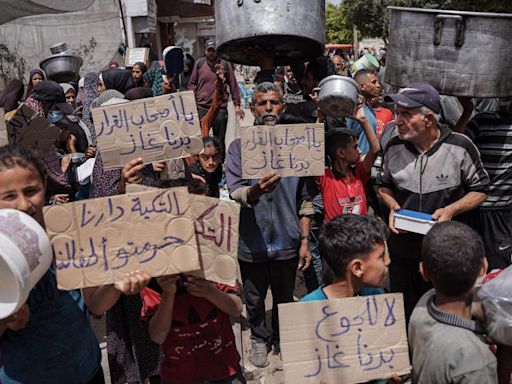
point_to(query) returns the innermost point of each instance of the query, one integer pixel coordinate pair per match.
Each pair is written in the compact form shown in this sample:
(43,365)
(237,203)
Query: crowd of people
(396,151)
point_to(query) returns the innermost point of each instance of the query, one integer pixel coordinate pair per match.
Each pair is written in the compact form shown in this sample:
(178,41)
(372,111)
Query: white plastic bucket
(367,61)
(25,256)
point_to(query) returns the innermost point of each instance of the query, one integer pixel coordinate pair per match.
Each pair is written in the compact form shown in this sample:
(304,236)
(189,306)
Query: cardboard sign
(96,242)
(350,340)
(216,227)
(158,128)
(32,130)
(289,150)
(217,235)
(3,129)
(135,55)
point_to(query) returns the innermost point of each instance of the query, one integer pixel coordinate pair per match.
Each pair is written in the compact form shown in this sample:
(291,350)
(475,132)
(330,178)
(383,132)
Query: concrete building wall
(30,37)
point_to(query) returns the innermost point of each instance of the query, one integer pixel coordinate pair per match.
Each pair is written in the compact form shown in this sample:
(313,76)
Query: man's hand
(131,171)
(358,114)
(168,283)
(198,287)
(239,112)
(392,220)
(19,319)
(442,214)
(266,184)
(304,256)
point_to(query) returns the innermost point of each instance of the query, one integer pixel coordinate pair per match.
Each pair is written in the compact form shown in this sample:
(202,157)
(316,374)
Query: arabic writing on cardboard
(350,340)
(289,150)
(217,235)
(32,130)
(216,226)
(158,128)
(96,242)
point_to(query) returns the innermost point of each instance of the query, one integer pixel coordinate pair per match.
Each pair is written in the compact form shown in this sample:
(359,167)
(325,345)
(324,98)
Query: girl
(208,167)
(36,76)
(49,340)
(138,71)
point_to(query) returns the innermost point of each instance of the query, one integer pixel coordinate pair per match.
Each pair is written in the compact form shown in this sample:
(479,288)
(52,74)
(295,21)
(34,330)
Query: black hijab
(118,79)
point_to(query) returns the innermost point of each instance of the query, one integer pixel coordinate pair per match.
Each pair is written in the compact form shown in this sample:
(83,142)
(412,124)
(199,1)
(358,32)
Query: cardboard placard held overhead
(289,150)
(96,242)
(352,340)
(216,227)
(158,128)
(135,55)
(32,130)
(3,128)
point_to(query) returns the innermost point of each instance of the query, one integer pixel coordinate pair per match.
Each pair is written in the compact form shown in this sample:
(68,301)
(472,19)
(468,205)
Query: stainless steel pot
(459,53)
(62,68)
(338,96)
(293,29)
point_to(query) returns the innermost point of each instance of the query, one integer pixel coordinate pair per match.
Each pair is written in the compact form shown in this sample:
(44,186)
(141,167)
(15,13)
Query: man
(203,81)
(370,87)
(340,65)
(426,168)
(274,228)
(492,134)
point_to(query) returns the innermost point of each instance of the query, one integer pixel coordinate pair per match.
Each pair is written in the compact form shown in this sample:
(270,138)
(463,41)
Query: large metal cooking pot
(62,68)
(459,53)
(338,96)
(293,29)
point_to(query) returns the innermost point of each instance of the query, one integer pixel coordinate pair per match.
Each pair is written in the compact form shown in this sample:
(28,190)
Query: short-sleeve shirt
(362,142)
(341,197)
(201,343)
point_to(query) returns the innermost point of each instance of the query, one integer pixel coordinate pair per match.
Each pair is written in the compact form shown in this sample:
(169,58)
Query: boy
(343,184)
(353,248)
(445,343)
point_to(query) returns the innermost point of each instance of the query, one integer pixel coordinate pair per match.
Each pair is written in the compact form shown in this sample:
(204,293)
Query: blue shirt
(363,144)
(319,294)
(58,344)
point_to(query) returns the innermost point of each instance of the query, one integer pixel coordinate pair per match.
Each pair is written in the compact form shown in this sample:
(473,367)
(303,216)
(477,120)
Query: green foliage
(372,18)
(12,66)
(338,28)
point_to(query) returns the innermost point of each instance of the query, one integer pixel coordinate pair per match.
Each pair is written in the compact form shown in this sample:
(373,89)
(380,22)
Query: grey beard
(266,120)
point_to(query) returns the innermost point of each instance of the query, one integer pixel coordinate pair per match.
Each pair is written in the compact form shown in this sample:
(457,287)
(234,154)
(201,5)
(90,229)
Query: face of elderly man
(268,108)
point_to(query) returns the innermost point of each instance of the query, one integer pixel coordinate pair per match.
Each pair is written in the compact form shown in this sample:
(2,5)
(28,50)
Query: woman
(69,93)
(36,76)
(118,79)
(138,71)
(154,79)
(188,66)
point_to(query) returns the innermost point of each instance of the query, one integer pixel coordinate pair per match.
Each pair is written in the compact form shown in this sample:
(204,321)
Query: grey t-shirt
(445,354)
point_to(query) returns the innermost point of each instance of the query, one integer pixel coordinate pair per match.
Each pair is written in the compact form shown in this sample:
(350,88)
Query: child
(192,325)
(49,340)
(342,186)
(445,343)
(208,167)
(353,248)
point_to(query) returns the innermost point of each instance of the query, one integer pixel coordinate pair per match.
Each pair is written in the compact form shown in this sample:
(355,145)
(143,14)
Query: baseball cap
(417,95)
(210,45)
(51,91)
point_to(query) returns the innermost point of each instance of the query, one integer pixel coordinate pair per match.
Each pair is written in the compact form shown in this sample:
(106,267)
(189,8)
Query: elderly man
(274,230)
(426,168)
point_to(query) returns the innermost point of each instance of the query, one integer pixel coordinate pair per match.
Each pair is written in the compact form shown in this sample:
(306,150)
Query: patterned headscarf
(154,78)
(40,107)
(106,96)
(91,92)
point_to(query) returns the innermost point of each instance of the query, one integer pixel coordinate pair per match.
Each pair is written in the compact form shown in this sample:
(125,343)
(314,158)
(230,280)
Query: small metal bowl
(338,96)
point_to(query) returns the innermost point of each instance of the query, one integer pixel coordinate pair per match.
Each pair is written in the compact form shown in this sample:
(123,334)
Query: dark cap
(210,45)
(417,95)
(52,92)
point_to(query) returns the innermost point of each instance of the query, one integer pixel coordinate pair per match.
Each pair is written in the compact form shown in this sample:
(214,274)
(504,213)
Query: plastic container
(413,221)
(25,256)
